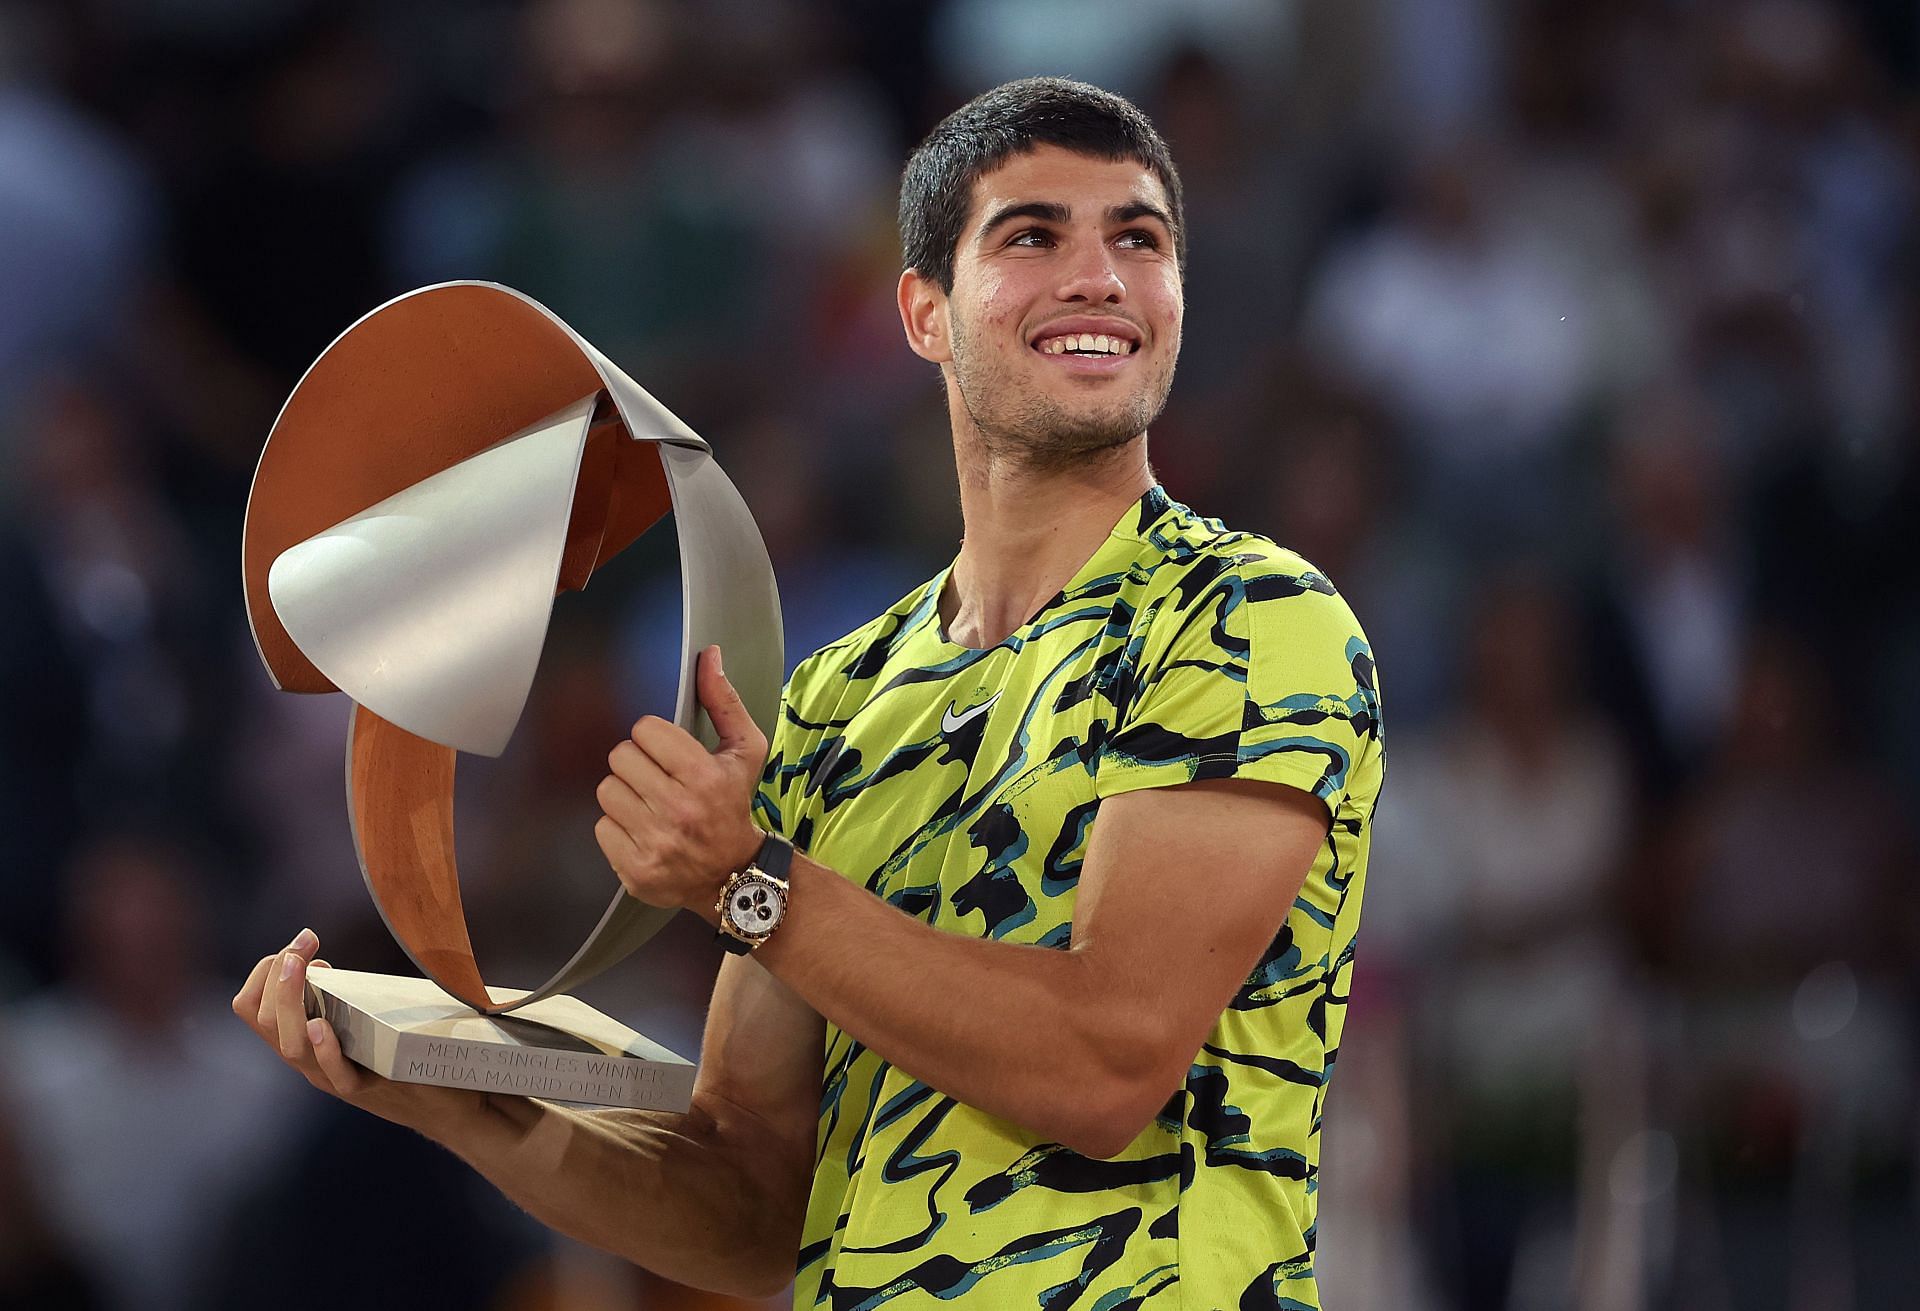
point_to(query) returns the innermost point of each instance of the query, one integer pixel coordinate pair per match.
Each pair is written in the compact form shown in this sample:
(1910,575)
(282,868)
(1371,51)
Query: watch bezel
(742,878)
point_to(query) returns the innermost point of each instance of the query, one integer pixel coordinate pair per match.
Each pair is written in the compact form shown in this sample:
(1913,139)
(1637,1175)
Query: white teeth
(1088,341)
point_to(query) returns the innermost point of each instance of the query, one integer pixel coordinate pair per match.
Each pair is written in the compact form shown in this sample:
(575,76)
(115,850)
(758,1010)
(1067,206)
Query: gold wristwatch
(753,900)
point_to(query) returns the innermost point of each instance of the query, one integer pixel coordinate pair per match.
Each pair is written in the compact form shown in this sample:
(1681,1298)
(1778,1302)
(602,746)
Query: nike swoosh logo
(952,723)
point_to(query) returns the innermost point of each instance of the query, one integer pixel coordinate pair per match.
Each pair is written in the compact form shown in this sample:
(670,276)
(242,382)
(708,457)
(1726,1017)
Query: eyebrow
(1139,209)
(1047,211)
(1052,211)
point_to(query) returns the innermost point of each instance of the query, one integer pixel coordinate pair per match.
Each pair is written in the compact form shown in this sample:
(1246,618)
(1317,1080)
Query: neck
(1028,530)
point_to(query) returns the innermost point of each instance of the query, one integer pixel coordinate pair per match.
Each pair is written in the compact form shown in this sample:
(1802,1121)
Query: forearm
(1037,1036)
(714,1197)
(673,1193)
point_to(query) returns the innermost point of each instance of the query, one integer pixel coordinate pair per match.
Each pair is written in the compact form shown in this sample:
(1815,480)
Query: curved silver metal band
(474,551)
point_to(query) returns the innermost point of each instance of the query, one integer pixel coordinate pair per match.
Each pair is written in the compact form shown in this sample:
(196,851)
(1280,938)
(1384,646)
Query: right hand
(273,1004)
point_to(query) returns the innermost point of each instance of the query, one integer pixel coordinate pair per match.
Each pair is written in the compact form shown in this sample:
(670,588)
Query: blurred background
(1573,339)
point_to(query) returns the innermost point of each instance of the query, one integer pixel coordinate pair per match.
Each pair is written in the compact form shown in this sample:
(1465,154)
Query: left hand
(678,818)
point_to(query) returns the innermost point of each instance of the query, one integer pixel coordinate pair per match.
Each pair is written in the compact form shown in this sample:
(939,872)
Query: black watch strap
(775,857)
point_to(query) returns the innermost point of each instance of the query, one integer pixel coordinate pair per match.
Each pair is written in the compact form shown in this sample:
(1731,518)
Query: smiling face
(1059,337)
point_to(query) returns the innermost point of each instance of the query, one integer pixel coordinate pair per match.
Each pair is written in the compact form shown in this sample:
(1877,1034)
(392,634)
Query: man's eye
(1139,239)
(1030,237)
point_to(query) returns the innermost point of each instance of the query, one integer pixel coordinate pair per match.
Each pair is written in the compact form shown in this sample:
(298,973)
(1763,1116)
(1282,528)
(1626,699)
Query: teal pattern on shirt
(961,785)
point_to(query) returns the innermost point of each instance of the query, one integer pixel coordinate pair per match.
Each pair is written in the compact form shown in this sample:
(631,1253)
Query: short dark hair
(936,188)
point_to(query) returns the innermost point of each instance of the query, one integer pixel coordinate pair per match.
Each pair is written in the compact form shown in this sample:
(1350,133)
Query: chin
(1107,425)
(1096,433)
(1052,426)
(1076,439)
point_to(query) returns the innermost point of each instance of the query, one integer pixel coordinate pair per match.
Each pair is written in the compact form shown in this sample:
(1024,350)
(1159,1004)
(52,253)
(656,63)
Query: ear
(923,314)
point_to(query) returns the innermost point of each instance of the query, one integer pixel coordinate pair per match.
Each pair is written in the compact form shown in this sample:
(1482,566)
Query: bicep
(760,1067)
(1182,890)
(763,1050)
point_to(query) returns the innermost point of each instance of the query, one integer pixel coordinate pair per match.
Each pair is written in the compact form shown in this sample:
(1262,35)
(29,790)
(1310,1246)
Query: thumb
(735,728)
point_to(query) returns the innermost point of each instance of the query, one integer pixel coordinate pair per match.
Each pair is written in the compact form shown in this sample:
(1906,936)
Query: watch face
(755,907)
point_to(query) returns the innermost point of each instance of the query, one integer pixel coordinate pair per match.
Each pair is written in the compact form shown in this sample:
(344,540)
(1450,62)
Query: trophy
(449,465)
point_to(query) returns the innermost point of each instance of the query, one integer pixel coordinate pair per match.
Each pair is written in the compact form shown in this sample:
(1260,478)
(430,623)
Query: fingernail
(719,665)
(314,1029)
(306,940)
(288,964)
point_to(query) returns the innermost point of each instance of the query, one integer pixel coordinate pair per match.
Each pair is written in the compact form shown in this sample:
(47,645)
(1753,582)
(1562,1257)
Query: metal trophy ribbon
(447,467)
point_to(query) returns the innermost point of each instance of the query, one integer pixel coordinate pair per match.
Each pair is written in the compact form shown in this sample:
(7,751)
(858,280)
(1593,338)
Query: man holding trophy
(1041,899)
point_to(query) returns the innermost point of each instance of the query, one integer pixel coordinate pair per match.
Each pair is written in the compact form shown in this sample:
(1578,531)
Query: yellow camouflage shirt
(960,785)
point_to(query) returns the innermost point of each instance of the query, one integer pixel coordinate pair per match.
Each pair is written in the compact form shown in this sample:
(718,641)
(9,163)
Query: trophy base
(558,1048)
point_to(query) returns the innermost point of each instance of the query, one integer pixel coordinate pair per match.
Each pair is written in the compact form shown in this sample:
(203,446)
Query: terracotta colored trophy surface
(447,467)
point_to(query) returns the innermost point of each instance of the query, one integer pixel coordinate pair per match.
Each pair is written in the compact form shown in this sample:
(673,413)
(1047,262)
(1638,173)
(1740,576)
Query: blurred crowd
(1574,339)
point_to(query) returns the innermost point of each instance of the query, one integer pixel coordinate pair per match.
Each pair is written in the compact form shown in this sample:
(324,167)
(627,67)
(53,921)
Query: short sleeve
(1249,668)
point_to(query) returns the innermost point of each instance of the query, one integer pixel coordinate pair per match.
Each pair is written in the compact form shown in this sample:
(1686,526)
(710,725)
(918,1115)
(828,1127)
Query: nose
(1091,277)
